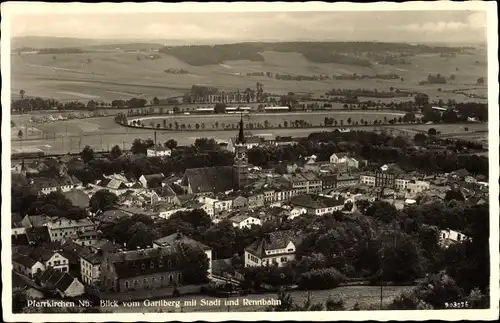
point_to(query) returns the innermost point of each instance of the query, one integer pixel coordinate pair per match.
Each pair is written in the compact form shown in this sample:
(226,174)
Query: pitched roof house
(208,179)
(276,248)
(63,283)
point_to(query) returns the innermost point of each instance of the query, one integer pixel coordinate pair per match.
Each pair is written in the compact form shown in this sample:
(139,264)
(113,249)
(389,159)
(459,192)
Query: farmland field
(117,74)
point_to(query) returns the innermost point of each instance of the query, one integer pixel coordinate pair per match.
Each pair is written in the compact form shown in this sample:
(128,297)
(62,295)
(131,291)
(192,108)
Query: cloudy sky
(410,26)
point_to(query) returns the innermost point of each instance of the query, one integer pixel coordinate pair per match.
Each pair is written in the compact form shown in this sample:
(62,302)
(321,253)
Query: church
(222,178)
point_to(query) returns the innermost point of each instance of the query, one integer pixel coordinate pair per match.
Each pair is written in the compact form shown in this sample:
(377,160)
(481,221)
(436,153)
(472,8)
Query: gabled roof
(78,198)
(316,201)
(165,191)
(66,158)
(38,234)
(146,261)
(44,253)
(47,274)
(111,216)
(180,238)
(209,179)
(16,217)
(239,218)
(24,260)
(116,184)
(274,240)
(19,240)
(64,282)
(45,182)
(340,155)
(38,220)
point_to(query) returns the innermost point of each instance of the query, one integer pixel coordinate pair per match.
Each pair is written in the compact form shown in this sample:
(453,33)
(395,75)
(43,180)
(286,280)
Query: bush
(321,279)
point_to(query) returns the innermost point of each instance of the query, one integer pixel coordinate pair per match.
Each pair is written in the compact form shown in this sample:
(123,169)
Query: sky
(460,26)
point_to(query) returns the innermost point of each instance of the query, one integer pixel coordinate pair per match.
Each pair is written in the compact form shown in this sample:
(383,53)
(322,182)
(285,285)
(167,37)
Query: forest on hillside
(318,52)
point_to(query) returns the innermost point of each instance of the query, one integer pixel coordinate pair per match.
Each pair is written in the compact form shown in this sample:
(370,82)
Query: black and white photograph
(214,161)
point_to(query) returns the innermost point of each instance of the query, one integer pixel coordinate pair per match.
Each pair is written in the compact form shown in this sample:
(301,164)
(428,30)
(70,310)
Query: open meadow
(118,74)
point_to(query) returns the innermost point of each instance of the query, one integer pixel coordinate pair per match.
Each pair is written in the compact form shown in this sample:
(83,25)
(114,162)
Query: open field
(365,296)
(315,118)
(116,74)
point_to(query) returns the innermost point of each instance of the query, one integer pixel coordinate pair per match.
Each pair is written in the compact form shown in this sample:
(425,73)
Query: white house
(159,151)
(367,180)
(297,211)
(64,228)
(338,158)
(276,248)
(318,204)
(244,221)
(401,183)
(416,186)
(90,267)
(448,237)
(27,266)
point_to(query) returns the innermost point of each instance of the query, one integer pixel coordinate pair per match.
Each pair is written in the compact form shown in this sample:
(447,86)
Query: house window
(284,259)
(126,284)
(290,250)
(160,263)
(143,266)
(179,276)
(170,279)
(152,264)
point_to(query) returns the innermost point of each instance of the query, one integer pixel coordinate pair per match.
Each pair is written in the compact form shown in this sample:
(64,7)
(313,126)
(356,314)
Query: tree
(362,205)
(115,152)
(171,144)
(20,134)
(156,100)
(87,154)
(21,93)
(432,132)
(348,206)
(434,293)
(102,200)
(480,80)
(401,258)
(220,108)
(421,99)
(194,264)
(382,211)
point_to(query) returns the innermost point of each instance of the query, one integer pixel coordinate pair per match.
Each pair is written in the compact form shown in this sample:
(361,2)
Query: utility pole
(381,279)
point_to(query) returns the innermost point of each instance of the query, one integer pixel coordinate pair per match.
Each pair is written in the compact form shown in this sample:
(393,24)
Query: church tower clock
(240,165)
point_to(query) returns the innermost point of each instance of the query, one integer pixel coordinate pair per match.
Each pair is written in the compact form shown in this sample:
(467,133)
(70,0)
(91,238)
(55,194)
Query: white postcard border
(10,8)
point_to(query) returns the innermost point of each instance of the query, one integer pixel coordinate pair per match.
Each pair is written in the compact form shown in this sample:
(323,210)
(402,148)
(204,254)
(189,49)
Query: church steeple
(240,166)
(241,136)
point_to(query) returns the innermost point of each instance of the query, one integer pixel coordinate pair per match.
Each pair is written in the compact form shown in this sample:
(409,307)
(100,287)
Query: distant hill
(37,42)
(54,42)
(349,53)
